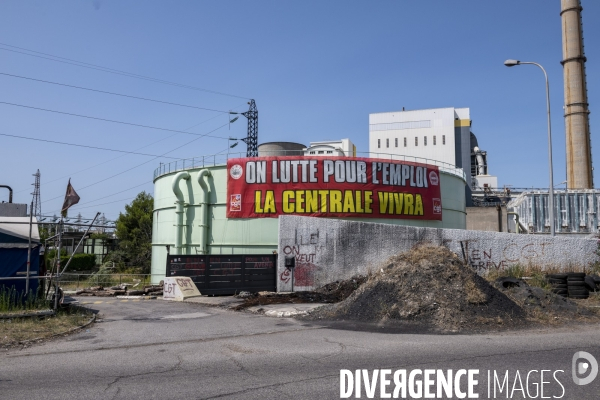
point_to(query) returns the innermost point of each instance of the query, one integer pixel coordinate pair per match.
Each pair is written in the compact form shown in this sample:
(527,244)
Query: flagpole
(71,198)
(60,229)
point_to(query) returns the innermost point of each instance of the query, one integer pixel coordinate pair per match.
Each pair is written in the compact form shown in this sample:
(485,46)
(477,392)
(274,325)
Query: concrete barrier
(327,250)
(179,289)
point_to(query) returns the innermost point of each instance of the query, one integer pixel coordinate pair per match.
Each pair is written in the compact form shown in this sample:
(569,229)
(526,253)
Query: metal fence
(221,159)
(75,281)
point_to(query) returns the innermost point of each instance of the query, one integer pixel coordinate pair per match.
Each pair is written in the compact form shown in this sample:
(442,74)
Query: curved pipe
(518,225)
(479,159)
(178,210)
(9,192)
(204,199)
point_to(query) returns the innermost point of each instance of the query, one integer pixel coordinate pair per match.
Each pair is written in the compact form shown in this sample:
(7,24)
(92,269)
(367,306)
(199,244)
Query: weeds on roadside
(12,300)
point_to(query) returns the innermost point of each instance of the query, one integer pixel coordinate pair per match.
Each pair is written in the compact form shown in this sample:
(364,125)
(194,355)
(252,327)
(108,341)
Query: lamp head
(511,63)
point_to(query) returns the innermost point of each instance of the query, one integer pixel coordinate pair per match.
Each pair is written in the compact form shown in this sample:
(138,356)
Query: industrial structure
(10,209)
(273,149)
(342,147)
(37,201)
(252,136)
(438,134)
(579,151)
(575,211)
(191,204)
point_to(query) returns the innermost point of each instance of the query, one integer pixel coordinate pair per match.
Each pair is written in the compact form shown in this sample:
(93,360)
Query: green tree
(134,231)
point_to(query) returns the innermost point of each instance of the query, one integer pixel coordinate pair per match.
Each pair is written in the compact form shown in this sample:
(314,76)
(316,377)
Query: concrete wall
(491,219)
(327,250)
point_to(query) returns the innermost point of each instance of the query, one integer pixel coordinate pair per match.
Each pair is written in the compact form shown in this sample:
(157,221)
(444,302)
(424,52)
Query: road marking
(187,316)
(124,301)
(98,302)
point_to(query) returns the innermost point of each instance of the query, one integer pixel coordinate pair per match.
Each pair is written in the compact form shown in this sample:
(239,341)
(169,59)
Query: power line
(87,147)
(109,70)
(139,165)
(116,158)
(110,195)
(108,120)
(102,204)
(112,93)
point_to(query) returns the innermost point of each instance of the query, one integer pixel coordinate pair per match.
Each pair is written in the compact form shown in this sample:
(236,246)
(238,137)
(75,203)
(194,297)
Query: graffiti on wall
(305,270)
(488,258)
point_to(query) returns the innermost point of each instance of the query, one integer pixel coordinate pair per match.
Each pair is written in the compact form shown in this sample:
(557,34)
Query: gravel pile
(429,289)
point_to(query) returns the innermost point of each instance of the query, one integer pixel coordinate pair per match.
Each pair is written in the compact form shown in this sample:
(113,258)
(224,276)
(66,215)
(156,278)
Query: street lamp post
(512,63)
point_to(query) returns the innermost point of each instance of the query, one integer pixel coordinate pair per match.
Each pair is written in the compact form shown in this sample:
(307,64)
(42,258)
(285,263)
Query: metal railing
(74,281)
(221,159)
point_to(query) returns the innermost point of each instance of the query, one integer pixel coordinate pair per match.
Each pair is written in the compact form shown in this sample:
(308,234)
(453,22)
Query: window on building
(425,141)
(396,142)
(443,139)
(329,151)
(404,142)
(387,143)
(312,152)
(416,141)
(378,143)
(434,140)
(321,151)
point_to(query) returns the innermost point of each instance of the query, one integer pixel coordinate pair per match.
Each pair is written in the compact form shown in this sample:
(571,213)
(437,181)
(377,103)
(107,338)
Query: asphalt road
(160,350)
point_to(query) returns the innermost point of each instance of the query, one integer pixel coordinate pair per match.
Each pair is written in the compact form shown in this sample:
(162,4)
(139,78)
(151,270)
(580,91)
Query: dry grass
(474,294)
(13,331)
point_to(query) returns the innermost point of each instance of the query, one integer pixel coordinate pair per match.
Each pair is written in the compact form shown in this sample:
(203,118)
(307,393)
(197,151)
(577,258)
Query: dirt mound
(330,293)
(545,307)
(427,287)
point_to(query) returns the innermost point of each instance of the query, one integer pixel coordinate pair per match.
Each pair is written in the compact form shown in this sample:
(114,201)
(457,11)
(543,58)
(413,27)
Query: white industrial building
(439,134)
(343,147)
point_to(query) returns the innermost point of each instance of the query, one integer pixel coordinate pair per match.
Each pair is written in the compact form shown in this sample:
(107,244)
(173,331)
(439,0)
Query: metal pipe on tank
(204,201)
(178,210)
(579,155)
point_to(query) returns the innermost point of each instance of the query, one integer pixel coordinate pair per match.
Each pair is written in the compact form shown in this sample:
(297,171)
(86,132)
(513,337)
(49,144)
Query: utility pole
(37,202)
(252,138)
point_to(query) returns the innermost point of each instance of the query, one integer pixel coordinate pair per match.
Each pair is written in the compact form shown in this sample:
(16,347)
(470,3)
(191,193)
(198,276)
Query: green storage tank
(195,223)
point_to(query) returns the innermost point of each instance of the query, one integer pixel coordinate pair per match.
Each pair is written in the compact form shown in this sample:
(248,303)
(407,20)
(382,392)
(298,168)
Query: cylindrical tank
(251,235)
(272,149)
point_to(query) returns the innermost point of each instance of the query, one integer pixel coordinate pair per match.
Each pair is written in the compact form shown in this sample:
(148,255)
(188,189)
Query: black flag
(71,198)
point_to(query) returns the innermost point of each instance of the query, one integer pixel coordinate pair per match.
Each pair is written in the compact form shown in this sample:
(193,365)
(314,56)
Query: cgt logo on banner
(332,187)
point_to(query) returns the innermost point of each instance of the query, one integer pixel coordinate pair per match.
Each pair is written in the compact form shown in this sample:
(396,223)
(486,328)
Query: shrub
(80,262)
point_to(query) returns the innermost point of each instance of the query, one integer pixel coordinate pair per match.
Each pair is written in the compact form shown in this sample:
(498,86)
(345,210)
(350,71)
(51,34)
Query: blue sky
(316,69)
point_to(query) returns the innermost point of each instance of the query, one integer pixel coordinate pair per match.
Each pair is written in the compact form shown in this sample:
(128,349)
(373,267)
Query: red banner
(332,187)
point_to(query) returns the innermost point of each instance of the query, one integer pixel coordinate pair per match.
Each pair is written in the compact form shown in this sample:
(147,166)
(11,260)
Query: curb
(43,313)
(137,297)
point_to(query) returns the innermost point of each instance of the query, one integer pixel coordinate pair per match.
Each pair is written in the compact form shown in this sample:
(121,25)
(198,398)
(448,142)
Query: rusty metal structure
(579,154)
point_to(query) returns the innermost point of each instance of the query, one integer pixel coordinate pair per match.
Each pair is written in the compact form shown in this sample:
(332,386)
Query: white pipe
(479,158)
(204,201)
(178,210)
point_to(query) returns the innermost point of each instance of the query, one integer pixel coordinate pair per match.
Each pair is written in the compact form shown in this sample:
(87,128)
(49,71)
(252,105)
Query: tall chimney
(579,153)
